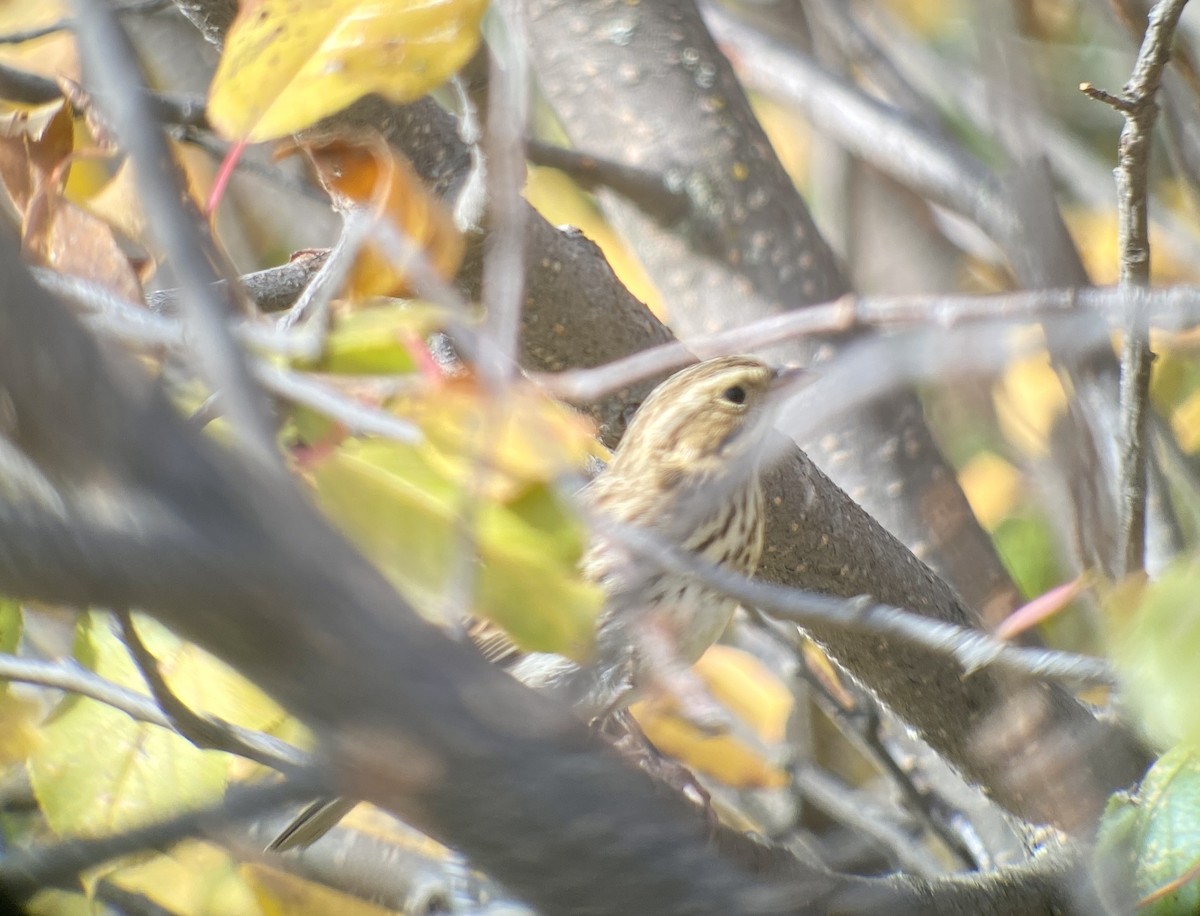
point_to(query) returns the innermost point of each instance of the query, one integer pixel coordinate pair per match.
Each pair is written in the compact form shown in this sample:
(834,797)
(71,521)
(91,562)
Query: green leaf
(10,625)
(396,503)
(99,771)
(1154,634)
(1149,840)
(10,630)
(375,339)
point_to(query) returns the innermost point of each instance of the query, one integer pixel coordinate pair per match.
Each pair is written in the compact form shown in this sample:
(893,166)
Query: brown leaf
(34,145)
(70,240)
(366,173)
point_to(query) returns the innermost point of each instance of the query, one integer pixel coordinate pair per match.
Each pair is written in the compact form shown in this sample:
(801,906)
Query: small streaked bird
(687,471)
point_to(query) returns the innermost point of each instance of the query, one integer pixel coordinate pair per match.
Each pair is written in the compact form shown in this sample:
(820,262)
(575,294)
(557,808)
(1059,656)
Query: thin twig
(327,282)
(861,725)
(356,417)
(143,7)
(857,810)
(113,66)
(72,678)
(504,248)
(972,649)
(1138,106)
(25,873)
(137,327)
(1171,309)
(204,731)
(147,330)
(648,190)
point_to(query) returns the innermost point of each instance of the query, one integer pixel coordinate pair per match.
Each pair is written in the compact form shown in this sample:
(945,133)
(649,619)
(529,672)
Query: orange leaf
(368,174)
(33,146)
(289,63)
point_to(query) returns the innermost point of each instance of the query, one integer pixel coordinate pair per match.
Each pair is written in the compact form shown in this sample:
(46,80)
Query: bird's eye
(735,394)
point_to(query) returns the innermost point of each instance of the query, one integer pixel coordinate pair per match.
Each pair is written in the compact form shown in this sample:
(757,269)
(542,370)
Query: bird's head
(704,420)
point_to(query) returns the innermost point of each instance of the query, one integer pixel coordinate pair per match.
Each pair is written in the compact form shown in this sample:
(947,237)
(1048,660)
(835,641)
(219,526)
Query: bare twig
(1171,309)
(866,815)
(1138,106)
(358,418)
(329,277)
(145,330)
(204,731)
(971,649)
(70,677)
(647,189)
(137,8)
(504,143)
(26,873)
(861,724)
(113,66)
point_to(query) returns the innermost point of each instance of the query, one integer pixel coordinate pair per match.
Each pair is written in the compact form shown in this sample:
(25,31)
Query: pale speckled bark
(643,84)
(577,314)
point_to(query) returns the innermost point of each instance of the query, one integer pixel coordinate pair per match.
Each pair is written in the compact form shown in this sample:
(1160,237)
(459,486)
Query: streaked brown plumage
(687,469)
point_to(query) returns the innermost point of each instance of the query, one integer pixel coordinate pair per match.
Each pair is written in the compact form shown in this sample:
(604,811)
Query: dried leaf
(72,241)
(34,145)
(367,174)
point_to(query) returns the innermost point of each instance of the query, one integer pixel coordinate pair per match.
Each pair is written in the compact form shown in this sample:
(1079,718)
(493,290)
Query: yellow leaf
(282,894)
(754,696)
(99,771)
(375,340)
(60,903)
(194,877)
(1153,631)
(10,625)
(51,56)
(526,438)
(747,689)
(1185,421)
(1028,401)
(991,485)
(20,735)
(409,517)
(289,63)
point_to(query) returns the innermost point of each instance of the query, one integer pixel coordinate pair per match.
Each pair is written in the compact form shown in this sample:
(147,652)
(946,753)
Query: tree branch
(1138,106)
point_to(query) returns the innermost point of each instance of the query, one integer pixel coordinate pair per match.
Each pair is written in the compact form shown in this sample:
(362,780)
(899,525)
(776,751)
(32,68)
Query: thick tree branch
(748,249)
(222,550)
(578,314)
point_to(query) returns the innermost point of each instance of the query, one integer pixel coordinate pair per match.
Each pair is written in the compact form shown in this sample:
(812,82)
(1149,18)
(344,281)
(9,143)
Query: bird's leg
(626,736)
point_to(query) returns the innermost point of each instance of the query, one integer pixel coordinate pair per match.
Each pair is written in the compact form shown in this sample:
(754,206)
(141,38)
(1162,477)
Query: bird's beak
(788,380)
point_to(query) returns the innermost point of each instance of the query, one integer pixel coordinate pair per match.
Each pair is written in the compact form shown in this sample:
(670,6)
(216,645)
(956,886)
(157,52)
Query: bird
(687,469)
